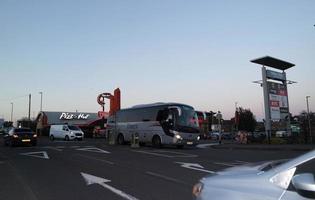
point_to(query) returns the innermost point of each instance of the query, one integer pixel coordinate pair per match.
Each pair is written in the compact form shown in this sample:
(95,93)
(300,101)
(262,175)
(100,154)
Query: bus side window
(162,115)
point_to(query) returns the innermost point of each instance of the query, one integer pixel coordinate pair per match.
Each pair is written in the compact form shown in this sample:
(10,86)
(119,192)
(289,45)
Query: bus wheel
(120,139)
(156,141)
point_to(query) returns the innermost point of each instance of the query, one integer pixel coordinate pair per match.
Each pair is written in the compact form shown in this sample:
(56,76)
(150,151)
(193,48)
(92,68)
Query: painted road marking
(38,154)
(167,154)
(90,179)
(166,178)
(51,147)
(93,149)
(91,158)
(225,164)
(194,166)
(203,146)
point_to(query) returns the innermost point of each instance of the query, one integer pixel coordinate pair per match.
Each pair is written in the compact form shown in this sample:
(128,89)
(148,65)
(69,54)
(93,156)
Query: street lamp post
(41,101)
(309,120)
(11,111)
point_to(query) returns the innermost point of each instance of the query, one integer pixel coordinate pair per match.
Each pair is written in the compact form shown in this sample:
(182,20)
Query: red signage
(102,114)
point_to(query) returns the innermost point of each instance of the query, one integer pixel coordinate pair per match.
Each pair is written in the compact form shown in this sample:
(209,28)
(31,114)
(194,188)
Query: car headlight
(198,138)
(197,189)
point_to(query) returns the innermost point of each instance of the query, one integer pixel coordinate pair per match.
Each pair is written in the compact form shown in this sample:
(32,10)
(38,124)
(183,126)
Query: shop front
(86,121)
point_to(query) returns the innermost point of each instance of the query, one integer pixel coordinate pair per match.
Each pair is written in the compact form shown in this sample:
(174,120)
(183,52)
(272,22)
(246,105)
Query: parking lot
(90,169)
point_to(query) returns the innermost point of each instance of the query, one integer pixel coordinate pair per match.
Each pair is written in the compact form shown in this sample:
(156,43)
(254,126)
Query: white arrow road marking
(194,166)
(38,154)
(93,149)
(203,146)
(90,179)
(51,147)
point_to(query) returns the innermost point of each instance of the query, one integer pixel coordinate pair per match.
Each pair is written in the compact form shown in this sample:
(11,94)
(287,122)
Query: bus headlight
(178,137)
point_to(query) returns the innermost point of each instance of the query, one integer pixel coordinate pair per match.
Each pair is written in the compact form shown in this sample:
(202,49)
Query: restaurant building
(86,121)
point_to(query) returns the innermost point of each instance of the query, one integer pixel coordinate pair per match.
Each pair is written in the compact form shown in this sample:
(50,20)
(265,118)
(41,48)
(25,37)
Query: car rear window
(22,130)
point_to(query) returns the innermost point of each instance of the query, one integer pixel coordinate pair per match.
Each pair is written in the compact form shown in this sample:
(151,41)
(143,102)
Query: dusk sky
(192,52)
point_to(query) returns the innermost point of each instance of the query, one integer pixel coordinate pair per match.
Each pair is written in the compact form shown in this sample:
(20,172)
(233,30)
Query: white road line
(225,164)
(38,154)
(166,178)
(50,147)
(241,162)
(203,146)
(167,154)
(154,154)
(93,149)
(178,154)
(92,158)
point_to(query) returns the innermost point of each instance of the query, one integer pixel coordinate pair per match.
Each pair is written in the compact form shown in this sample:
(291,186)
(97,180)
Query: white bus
(158,124)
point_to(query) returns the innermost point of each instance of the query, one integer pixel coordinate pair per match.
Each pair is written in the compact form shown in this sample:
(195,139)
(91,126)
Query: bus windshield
(187,121)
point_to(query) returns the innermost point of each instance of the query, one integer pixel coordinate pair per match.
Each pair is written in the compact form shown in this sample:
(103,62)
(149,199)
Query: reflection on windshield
(188,118)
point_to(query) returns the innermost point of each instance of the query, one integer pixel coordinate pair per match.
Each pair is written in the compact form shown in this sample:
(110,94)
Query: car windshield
(74,128)
(22,130)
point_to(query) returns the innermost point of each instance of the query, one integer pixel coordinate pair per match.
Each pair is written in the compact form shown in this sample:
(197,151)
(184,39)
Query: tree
(247,121)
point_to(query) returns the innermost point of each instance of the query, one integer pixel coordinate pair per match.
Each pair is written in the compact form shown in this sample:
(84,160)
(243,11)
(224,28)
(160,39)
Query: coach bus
(158,124)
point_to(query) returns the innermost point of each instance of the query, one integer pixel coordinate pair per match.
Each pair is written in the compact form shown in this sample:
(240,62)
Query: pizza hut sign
(71,116)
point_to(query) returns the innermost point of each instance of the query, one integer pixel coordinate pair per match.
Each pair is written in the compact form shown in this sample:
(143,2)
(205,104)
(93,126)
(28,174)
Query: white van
(66,132)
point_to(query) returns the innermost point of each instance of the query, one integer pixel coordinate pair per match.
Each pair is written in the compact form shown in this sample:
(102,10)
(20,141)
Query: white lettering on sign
(70,116)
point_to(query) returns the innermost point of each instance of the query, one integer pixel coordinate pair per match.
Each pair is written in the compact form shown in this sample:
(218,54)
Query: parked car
(20,136)
(284,179)
(256,137)
(282,134)
(66,132)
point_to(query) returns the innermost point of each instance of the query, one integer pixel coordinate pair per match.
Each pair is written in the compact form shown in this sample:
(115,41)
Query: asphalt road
(90,169)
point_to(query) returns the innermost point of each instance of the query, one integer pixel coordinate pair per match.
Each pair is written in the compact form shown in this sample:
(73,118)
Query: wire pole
(11,111)
(309,120)
(41,101)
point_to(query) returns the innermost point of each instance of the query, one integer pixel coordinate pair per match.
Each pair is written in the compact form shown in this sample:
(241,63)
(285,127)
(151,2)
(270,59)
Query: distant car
(20,136)
(214,135)
(282,134)
(256,137)
(66,132)
(279,180)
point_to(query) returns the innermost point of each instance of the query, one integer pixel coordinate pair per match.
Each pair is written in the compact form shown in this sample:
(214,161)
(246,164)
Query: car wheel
(34,143)
(180,146)
(121,139)
(51,137)
(156,141)
(67,138)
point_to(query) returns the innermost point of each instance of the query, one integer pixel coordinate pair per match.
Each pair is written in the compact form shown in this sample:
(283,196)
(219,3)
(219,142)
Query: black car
(20,136)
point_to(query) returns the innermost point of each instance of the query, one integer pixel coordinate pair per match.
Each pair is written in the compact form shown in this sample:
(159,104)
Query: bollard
(111,137)
(135,140)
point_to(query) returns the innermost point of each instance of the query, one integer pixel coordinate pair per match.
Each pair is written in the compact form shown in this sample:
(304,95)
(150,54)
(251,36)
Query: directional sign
(93,149)
(90,179)
(194,166)
(38,154)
